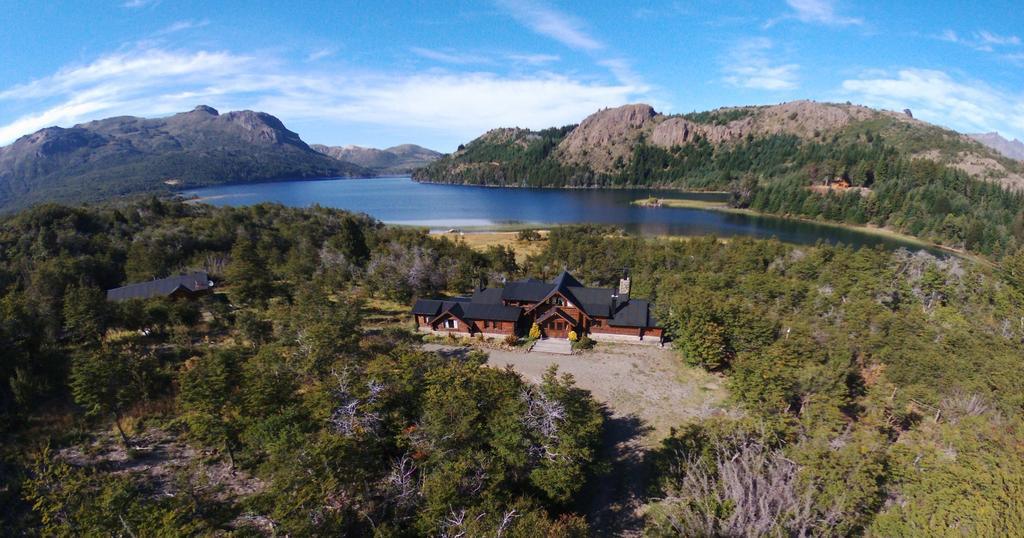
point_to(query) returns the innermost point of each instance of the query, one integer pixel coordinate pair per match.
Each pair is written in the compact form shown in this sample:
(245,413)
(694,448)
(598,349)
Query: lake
(400,200)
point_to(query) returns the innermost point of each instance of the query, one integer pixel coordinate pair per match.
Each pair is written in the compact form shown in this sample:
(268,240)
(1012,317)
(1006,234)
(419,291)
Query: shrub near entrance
(535,332)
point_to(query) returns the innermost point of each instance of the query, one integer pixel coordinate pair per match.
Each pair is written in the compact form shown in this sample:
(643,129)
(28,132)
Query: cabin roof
(488,303)
(163,287)
(635,313)
(492,312)
(526,290)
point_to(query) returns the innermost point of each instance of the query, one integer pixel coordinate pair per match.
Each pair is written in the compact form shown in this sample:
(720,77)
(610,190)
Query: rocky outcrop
(607,136)
(127,154)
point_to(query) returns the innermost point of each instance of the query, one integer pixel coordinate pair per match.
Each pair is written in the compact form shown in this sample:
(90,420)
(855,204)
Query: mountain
(635,145)
(401,159)
(128,155)
(1013,149)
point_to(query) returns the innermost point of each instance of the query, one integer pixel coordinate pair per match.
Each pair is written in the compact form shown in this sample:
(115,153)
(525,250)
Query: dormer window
(558,301)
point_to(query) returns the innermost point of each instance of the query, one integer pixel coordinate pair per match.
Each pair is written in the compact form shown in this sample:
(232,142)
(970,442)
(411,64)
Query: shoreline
(861,228)
(574,187)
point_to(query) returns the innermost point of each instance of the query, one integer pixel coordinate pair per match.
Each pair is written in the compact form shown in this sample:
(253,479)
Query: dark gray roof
(526,290)
(492,312)
(635,313)
(594,301)
(433,307)
(427,307)
(164,287)
(488,296)
(486,304)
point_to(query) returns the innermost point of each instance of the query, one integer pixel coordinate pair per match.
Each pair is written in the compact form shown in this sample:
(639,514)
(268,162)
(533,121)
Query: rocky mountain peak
(607,136)
(203,109)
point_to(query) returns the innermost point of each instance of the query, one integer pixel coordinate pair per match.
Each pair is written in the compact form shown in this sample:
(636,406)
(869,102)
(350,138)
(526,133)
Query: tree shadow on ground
(613,499)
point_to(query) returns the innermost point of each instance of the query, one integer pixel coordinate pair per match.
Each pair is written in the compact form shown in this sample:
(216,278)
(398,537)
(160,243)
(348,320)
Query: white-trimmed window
(451,324)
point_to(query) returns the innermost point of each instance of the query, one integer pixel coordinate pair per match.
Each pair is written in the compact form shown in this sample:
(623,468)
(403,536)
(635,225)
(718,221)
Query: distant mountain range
(130,155)
(635,145)
(401,159)
(1013,149)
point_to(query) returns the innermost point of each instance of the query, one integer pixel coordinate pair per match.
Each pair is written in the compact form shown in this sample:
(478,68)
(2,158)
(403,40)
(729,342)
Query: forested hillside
(103,159)
(907,176)
(876,392)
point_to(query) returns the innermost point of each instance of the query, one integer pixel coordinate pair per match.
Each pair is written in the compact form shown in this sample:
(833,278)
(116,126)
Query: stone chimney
(624,289)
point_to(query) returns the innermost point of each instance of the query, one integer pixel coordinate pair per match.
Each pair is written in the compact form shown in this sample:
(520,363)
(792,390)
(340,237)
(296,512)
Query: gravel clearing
(646,391)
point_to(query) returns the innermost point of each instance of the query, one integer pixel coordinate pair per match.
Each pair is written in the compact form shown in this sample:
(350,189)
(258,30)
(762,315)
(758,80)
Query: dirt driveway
(646,391)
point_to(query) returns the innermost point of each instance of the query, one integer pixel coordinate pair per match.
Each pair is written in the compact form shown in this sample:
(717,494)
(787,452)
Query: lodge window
(450,324)
(557,301)
(596,323)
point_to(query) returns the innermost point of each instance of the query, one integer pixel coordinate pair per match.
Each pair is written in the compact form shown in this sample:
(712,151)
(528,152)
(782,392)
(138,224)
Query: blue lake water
(400,200)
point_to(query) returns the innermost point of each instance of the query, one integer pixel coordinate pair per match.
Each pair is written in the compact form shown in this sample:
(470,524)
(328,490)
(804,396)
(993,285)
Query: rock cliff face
(604,143)
(126,154)
(606,136)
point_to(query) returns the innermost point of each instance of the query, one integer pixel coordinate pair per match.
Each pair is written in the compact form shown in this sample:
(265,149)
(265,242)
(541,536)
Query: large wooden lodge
(557,307)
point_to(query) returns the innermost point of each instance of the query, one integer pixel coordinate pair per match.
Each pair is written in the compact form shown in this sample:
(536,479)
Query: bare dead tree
(351,415)
(761,489)
(543,417)
(403,484)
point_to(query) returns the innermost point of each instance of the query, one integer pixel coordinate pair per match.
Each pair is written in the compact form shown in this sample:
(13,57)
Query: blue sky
(438,73)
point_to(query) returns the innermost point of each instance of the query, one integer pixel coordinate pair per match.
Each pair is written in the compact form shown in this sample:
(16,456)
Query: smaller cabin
(186,286)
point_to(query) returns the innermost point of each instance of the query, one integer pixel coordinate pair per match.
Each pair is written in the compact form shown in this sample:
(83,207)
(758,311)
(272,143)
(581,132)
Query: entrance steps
(558,346)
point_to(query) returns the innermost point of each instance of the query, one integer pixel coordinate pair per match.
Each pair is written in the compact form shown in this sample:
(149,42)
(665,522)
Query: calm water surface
(399,200)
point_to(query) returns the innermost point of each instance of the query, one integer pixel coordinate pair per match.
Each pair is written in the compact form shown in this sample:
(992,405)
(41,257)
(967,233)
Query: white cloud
(534,59)
(183,25)
(935,96)
(137,4)
(552,23)
(320,54)
(456,58)
(996,39)
(982,40)
(749,65)
(156,82)
(817,12)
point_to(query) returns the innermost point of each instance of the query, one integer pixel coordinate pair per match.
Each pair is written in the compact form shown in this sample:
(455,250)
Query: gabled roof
(556,312)
(433,307)
(635,313)
(164,287)
(594,301)
(526,290)
(487,296)
(492,312)
(563,285)
(487,304)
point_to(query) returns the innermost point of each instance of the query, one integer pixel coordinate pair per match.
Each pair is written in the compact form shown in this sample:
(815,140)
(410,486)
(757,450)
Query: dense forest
(876,392)
(771,174)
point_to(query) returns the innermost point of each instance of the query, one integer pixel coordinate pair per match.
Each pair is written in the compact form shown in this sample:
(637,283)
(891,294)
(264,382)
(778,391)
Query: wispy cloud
(534,59)
(552,23)
(180,26)
(936,96)
(750,65)
(137,4)
(320,54)
(982,40)
(816,12)
(457,58)
(157,82)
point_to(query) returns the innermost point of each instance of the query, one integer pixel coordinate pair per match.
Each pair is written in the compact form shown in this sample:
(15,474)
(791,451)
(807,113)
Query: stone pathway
(558,346)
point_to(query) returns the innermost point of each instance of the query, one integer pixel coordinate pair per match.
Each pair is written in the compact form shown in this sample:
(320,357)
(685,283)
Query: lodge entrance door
(556,328)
